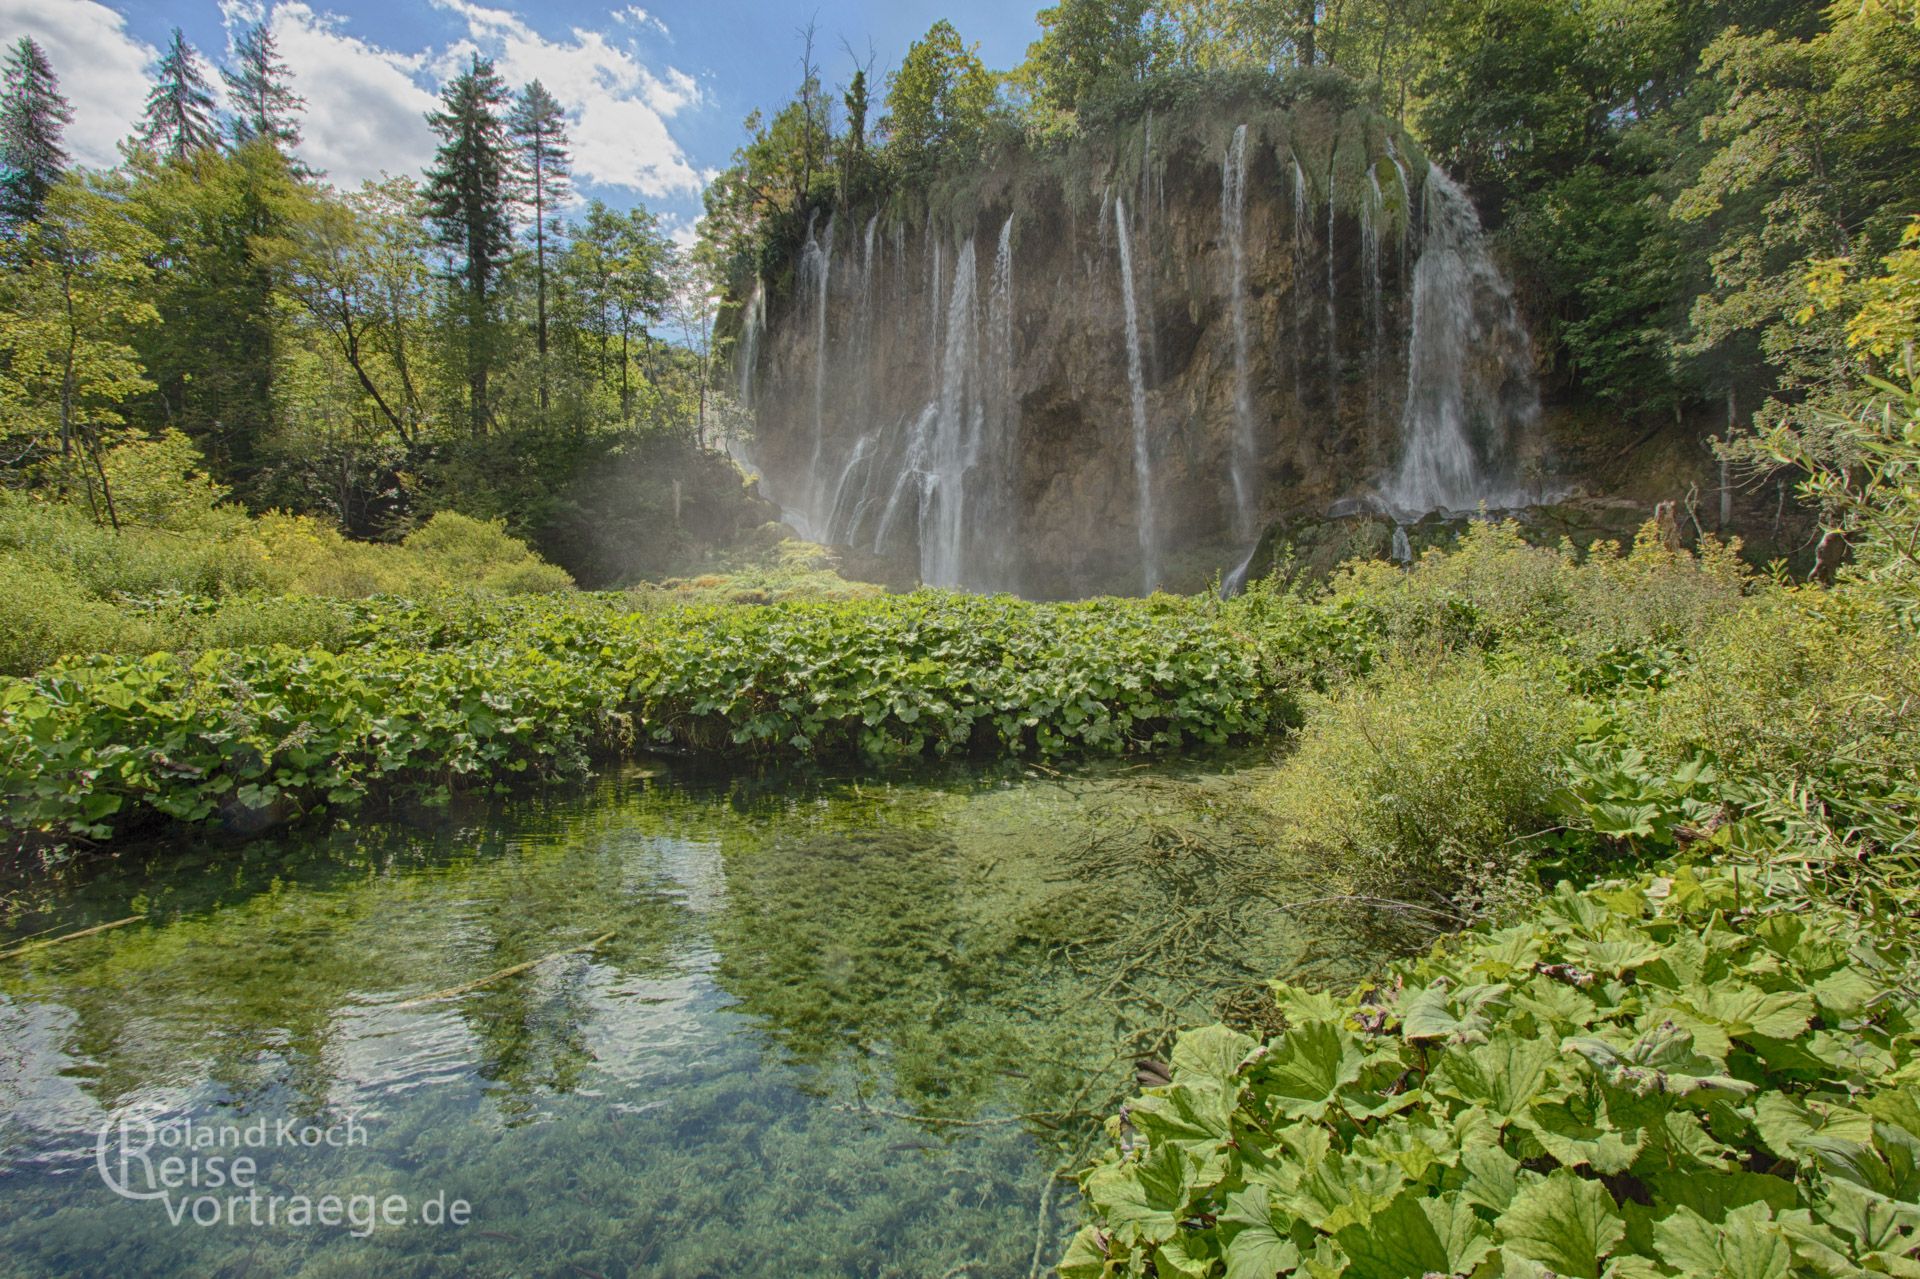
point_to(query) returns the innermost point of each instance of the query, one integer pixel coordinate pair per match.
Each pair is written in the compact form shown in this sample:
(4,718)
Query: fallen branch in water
(490,978)
(1044,1117)
(84,932)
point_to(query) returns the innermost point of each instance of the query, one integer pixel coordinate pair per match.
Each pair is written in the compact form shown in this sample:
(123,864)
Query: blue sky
(655,93)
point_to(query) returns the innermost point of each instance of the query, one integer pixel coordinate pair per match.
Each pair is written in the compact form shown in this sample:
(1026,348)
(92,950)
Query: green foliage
(70,310)
(937,102)
(479,695)
(1429,784)
(1669,1076)
(185,571)
(33,114)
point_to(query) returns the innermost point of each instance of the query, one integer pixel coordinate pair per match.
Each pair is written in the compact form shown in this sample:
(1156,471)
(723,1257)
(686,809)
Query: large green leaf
(1213,1053)
(1305,1068)
(1417,1234)
(1437,1013)
(1579,1134)
(1503,1074)
(1564,1222)
(1746,1245)
(1143,1201)
(1259,1245)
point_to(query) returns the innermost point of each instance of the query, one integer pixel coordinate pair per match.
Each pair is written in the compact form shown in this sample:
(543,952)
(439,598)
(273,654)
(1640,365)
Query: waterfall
(1233,223)
(1137,384)
(1370,214)
(1300,242)
(1402,548)
(1470,385)
(1333,319)
(953,443)
(816,270)
(752,326)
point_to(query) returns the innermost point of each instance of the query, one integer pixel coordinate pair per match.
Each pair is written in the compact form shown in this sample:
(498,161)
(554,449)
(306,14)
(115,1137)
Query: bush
(456,549)
(1671,1076)
(1425,783)
(1800,687)
(47,615)
(186,572)
(427,700)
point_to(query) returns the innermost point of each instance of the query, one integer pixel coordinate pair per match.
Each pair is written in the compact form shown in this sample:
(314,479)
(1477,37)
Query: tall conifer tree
(258,85)
(32,115)
(179,119)
(539,137)
(470,188)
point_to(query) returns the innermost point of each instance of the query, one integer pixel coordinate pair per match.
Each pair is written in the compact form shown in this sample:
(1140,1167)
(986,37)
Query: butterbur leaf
(1343,1191)
(1614,957)
(1086,1257)
(1186,1254)
(1258,1245)
(1713,1197)
(1747,1245)
(1492,1177)
(1564,1222)
(1871,1222)
(1791,1127)
(1742,1009)
(1503,1075)
(1436,1013)
(1142,1202)
(1577,1138)
(1417,1234)
(1214,1053)
(1305,1068)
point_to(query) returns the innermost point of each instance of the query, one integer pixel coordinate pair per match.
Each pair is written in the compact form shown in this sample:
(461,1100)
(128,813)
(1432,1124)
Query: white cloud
(101,66)
(366,106)
(640,17)
(617,106)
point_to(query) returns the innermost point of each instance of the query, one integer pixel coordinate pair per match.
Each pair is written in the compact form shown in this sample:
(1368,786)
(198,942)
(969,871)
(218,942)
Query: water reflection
(805,1046)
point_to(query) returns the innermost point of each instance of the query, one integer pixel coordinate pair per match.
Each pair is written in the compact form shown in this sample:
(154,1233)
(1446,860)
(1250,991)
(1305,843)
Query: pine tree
(32,114)
(539,136)
(264,103)
(179,118)
(470,187)
(853,147)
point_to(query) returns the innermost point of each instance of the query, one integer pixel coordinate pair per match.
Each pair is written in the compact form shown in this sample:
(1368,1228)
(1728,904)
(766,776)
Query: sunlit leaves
(1465,1134)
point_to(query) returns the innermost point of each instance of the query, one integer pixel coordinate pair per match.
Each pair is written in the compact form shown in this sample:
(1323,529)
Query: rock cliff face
(1111,366)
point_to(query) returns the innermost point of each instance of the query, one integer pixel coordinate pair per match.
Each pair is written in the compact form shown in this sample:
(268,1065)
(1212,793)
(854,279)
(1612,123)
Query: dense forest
(1661,179)
(1457,896)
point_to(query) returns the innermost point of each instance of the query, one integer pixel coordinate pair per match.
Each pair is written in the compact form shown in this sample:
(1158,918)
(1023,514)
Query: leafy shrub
(1671,1076)
(1801,685)
(457,549)
(186,572)
(1425,782)
(47,615)
(424,700)
(1494,589)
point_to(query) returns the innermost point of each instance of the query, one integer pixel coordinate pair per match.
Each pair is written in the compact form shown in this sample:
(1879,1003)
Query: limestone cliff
(1110,365)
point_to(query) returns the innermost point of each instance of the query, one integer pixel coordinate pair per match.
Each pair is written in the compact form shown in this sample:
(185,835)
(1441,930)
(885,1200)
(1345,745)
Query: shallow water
(838,1028)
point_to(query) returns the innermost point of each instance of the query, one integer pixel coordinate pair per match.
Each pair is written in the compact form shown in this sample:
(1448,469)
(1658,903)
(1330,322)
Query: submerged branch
(55,941)
(490,978)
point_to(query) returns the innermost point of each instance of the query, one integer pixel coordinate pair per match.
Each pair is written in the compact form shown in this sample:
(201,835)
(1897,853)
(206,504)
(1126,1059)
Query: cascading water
(1137,385)
(904,406)
(1233,223)
(1470,384)
(752,325)
(953,442)
(816,270)
(1301,244)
